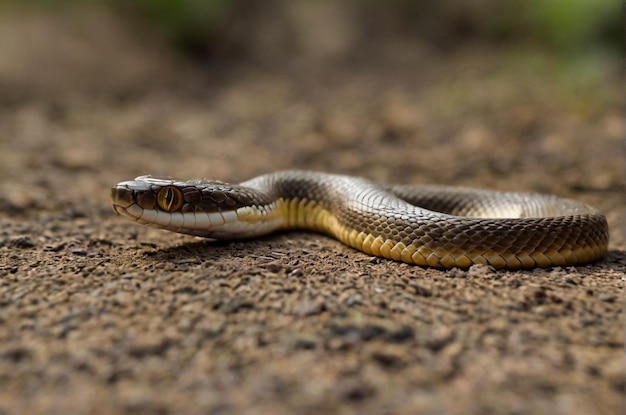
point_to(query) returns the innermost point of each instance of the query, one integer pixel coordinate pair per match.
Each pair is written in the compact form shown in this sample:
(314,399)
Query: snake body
(437,226)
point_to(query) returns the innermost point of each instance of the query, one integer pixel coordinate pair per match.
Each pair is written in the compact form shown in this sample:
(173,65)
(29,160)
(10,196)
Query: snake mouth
(122,211)
(133,212)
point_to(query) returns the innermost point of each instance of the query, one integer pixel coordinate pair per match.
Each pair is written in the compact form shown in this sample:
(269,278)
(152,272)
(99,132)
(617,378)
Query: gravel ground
(101,316)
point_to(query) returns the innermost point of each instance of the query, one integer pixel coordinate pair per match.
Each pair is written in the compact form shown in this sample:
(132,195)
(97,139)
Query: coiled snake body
(436,226)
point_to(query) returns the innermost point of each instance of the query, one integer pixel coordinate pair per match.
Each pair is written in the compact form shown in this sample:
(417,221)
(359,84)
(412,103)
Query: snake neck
(302,213)
(303,201)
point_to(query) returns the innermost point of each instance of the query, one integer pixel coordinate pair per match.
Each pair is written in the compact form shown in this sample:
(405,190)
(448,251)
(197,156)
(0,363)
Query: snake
(437,226)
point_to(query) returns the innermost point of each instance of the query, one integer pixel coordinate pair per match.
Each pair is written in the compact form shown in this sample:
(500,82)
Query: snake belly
(436,226)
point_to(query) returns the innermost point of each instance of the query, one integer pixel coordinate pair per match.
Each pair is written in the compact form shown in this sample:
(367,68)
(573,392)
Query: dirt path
(98,315)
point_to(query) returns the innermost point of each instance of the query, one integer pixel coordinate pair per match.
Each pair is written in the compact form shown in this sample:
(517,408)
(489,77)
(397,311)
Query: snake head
(207,208)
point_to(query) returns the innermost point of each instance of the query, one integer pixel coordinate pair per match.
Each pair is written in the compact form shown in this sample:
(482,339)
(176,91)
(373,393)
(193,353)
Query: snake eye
(170,199)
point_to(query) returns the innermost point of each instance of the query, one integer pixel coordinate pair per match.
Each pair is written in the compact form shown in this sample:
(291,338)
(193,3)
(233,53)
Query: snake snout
(121,196)
(124,202)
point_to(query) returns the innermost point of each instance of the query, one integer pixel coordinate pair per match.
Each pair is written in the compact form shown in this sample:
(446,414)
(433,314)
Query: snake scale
(427,225)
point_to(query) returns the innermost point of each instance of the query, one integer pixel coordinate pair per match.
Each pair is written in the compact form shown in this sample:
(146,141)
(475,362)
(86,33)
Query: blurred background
(502,94)
(214,33)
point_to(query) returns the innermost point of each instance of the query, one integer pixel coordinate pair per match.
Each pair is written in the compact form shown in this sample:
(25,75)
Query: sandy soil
(102,316)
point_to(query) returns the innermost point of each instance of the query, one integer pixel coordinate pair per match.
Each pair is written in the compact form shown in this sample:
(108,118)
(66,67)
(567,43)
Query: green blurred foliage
(561,24)
(188,23)
(568,24)
(556,23)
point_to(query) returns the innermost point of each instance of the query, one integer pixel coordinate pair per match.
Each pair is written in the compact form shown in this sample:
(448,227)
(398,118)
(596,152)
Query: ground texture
(101,316)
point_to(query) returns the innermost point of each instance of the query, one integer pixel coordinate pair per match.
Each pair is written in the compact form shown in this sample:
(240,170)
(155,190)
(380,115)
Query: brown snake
(436,226)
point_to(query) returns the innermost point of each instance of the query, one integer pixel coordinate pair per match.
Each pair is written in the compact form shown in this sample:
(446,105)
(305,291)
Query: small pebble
(23,242)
